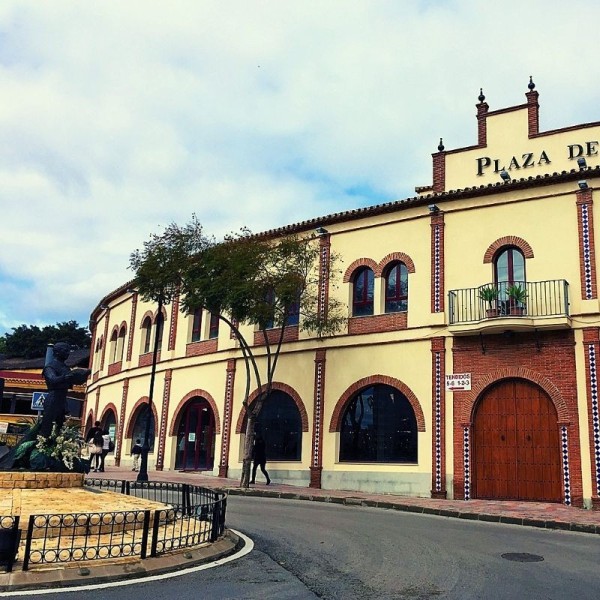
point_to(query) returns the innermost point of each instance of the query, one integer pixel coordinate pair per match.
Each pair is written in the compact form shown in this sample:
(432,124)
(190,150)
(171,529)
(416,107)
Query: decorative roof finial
(481,96)
(441,145)
(531,85)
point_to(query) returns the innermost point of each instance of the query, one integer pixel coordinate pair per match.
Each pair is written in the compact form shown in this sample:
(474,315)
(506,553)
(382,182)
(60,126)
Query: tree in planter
(517,295)
(261,281)
(158,269)
(489,294)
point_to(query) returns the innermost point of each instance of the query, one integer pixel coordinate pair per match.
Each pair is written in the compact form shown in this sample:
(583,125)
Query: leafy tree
(29,341)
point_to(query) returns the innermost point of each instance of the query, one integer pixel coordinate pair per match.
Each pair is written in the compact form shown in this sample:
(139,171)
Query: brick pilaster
(316,461)
(482,110)
(438,393)
(533,109)
(437,262)
(439,171)
(105,342)
(227,417)
(324,265)
(587,247)
(173,325)
(120,432)
(134,301)
(591,342)
(164,415)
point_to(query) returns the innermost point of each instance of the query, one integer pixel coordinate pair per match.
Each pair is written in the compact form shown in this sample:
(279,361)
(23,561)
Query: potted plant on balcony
(489,294)
(517,295)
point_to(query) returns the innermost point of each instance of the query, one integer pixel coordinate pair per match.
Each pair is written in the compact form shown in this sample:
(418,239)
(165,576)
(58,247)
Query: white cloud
(117,118)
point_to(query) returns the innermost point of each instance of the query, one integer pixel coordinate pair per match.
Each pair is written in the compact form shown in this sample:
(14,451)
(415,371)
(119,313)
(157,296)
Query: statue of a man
(59,378)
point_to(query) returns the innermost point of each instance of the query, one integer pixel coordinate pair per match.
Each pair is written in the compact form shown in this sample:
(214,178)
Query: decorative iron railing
(192,515)
(534,299)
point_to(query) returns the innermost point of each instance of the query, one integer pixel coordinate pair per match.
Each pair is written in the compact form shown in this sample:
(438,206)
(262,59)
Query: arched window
(139,426)
(213,329)
(362,292)
(509,266)
(196,325)
(121,343)
(160,326)
(113,346)
(280,425)
(109,423)
(396,288)
(379,425)
(146,334)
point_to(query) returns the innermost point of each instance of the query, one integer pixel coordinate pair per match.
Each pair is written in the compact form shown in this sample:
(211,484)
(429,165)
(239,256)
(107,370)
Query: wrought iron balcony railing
(533,299)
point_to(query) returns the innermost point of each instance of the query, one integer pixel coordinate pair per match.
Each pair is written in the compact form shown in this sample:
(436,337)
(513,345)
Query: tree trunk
(248,444)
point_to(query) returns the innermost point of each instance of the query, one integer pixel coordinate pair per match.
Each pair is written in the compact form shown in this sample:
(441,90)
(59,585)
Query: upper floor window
(509,266)
(160,326)
(147,334)
(213,330)
(196,325)
(396,288)
(113,346)
(121,343)
(362,292)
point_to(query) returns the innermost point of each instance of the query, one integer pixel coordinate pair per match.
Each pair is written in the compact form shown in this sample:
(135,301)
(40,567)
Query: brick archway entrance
(516,444)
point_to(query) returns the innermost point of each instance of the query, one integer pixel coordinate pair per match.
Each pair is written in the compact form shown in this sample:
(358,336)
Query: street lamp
(143,472)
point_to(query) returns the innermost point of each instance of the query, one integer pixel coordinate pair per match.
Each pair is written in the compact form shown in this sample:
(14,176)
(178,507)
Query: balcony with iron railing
(518,305)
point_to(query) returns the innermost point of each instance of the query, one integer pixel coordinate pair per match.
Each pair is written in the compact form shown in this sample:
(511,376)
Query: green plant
(488,294)
(517,293)
(62,446)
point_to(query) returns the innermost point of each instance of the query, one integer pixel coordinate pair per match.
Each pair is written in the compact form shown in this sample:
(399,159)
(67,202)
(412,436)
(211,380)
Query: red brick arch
(336,418)
(290,391)
(110,406)
(133,415)
(469,400)
(395,256)
(195,394)
(509,240)
(147,314)
(361,262)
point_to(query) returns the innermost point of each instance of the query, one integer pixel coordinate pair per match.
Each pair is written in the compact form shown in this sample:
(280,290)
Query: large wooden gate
(516,449)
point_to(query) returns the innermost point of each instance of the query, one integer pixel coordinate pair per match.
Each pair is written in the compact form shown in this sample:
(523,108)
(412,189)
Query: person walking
(98,443)
(136,452)
(259,456)
(105,449)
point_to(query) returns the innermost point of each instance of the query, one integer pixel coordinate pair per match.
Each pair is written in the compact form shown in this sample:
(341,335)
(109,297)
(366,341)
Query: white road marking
(248,547)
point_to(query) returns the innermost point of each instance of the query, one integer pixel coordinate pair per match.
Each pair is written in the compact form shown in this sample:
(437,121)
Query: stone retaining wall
(28,480)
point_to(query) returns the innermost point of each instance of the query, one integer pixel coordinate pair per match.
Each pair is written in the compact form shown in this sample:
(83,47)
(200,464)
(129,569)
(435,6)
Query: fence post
(155,532)
(28,542)
(214,534)
(145,534)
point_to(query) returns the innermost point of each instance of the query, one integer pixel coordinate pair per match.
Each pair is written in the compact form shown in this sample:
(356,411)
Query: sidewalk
(532,514)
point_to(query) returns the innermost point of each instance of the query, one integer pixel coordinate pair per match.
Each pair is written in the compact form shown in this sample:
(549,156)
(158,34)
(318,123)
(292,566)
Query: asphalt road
(309,550)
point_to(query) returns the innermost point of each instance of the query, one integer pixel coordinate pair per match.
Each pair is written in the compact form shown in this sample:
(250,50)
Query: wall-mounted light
(104,306)
(582,164)
(583,185)
(131,291)
(434,209)
(505,176)
(321,231)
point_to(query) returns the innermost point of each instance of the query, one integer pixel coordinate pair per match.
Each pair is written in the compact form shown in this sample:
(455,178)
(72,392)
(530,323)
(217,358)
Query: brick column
(437,262)
(134,301)
(227,416)
(97,404)
(105,342)
(533,109)
(324,264)
(591,342)
(482,110)
(164,416)
(173,327)
(438,393)
(439,171)
(316,461)
(587,249)
(120,432)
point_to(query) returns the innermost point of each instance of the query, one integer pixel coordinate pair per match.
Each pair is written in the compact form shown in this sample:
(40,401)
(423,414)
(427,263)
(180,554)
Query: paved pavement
(534,514)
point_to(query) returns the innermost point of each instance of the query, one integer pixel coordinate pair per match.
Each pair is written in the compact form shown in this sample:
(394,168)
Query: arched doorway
(196,437)
(516,445)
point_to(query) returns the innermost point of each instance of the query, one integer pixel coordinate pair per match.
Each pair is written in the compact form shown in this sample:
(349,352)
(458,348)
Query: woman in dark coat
(259,456)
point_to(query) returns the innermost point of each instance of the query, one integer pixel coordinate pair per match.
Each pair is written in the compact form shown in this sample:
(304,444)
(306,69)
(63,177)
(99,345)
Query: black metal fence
(192,515)
(491,300)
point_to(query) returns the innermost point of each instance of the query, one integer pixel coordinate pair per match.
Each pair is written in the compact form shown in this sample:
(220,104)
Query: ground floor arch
(516,444)
(196,433)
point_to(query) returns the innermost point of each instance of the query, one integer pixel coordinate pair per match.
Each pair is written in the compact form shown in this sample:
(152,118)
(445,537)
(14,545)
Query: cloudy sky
(118,117)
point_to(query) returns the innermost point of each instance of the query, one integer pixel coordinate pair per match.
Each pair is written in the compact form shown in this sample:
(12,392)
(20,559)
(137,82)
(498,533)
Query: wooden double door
(516,444)
(196,437)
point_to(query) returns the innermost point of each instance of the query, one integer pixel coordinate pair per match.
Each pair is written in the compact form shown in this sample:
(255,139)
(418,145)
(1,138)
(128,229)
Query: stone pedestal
(14,480)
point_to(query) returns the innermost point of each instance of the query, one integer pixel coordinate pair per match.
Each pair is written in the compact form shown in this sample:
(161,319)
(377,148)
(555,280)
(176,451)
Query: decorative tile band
(587,264)
(438,422)
(226,417)
(316,462)
(595,418)
(565,464)
(323,278)
(436,269)
(467,462)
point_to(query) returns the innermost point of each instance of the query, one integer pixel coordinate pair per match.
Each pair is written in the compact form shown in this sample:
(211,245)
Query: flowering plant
(61,445)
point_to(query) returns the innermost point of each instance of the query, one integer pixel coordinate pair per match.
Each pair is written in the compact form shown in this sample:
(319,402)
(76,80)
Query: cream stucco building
(468,365)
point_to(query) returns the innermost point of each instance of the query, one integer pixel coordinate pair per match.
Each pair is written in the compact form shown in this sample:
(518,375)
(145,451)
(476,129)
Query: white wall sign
(458,382)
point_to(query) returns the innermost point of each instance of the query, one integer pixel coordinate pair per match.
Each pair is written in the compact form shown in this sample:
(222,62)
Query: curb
(441,512)
(94,574)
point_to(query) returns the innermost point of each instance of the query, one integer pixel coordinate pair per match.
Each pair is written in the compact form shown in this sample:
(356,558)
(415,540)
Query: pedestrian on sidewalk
(259,456)
(98,444)
(136,451)
(106,443)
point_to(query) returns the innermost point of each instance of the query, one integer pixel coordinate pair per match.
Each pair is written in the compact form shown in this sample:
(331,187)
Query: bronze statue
(59,378)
